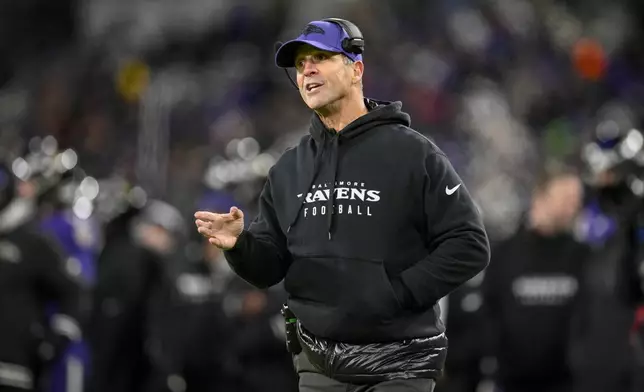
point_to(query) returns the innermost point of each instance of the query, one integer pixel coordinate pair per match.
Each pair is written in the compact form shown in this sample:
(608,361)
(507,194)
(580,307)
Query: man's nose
(309,68)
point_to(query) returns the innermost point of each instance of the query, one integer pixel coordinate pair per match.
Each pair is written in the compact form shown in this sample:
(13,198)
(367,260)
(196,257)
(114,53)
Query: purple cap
(320,34)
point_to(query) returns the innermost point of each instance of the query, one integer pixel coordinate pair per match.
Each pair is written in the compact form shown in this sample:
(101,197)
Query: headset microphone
(278,45)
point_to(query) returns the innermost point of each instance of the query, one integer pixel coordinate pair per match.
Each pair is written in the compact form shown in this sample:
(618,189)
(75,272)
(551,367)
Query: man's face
(322,77)
(563,197)
(155,238)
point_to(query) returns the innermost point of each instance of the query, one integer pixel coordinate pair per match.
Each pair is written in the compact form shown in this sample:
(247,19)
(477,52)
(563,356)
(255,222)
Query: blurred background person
(611,224)
(213,330)
(128,298)
(62,201)
(34,274)
(532,288)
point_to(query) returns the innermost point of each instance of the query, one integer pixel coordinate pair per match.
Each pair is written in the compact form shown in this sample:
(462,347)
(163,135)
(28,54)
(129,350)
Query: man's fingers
(201,223)
(204,225)
(215,221)
(206,215)
(236,213)
(204,231)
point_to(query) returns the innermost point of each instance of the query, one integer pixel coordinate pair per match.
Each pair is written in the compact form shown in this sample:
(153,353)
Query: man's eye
(319,56)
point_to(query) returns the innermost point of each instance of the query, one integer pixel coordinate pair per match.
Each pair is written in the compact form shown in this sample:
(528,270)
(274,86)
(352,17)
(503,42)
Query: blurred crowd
(118,120)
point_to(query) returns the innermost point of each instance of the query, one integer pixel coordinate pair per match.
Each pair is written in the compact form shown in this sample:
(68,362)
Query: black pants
(312,381)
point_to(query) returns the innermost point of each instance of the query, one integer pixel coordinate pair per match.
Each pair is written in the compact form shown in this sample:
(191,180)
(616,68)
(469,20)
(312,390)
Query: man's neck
(342,113)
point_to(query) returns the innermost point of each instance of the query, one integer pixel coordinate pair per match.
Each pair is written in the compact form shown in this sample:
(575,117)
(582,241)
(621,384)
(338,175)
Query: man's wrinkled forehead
(307,50)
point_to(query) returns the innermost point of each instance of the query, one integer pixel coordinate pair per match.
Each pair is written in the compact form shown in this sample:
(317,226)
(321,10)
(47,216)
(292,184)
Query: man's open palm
(221,230)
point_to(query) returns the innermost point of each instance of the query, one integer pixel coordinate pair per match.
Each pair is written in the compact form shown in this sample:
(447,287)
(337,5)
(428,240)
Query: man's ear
(358,71)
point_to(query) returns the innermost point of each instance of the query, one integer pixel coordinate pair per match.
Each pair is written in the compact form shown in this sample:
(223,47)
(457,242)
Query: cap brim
(285,56)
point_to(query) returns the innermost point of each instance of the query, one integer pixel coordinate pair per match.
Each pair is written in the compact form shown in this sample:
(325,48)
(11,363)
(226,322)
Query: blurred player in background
(611,223)
(33,275)
(532,288)
(131,273)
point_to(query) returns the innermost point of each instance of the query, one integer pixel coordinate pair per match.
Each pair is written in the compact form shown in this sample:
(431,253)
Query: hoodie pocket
(355,289)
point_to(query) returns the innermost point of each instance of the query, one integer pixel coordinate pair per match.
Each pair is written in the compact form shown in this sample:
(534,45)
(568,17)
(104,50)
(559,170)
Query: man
(535,275)
(611,219)
(32,275)
(78,241)
(367,223)
(128,298)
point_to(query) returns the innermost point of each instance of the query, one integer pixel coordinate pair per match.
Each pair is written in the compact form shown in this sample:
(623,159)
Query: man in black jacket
(367,223)
(536,274)
(33,275)
(128,298)
(611,223)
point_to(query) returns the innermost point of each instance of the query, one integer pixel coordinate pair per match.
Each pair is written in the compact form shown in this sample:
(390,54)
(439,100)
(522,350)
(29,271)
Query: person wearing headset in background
(366,221)
(603,350)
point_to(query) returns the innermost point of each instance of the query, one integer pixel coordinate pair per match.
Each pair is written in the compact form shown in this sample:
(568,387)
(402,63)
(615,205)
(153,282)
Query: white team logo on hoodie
(350,197)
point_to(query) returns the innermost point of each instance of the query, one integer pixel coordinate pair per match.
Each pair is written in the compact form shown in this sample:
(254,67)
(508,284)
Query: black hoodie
(369,264)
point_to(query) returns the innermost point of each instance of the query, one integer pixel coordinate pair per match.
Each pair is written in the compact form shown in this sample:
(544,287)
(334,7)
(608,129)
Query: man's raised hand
(221,230)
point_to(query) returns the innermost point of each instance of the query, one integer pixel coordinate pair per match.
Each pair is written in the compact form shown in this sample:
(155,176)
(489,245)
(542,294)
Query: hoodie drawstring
(335,156)
(316,168)
(319,156)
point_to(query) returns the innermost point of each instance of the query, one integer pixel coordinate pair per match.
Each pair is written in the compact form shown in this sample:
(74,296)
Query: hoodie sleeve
(260,255)
(457,242)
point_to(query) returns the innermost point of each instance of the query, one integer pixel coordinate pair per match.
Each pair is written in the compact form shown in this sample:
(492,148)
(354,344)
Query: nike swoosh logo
(450,191)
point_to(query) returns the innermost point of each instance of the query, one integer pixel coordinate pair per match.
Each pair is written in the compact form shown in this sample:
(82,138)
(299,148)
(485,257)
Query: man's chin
(316,104)
(321,105)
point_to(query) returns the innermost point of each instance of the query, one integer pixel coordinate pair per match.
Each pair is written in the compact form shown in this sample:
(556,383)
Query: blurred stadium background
(183,96)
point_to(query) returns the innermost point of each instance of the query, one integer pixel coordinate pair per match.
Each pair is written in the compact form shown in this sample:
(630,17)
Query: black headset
(354,43)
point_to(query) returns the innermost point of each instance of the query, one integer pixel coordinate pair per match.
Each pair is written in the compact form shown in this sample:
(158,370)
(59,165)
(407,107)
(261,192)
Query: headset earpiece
(355,42)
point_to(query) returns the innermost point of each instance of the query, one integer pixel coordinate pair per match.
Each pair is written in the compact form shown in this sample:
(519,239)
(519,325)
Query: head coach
(367,223)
